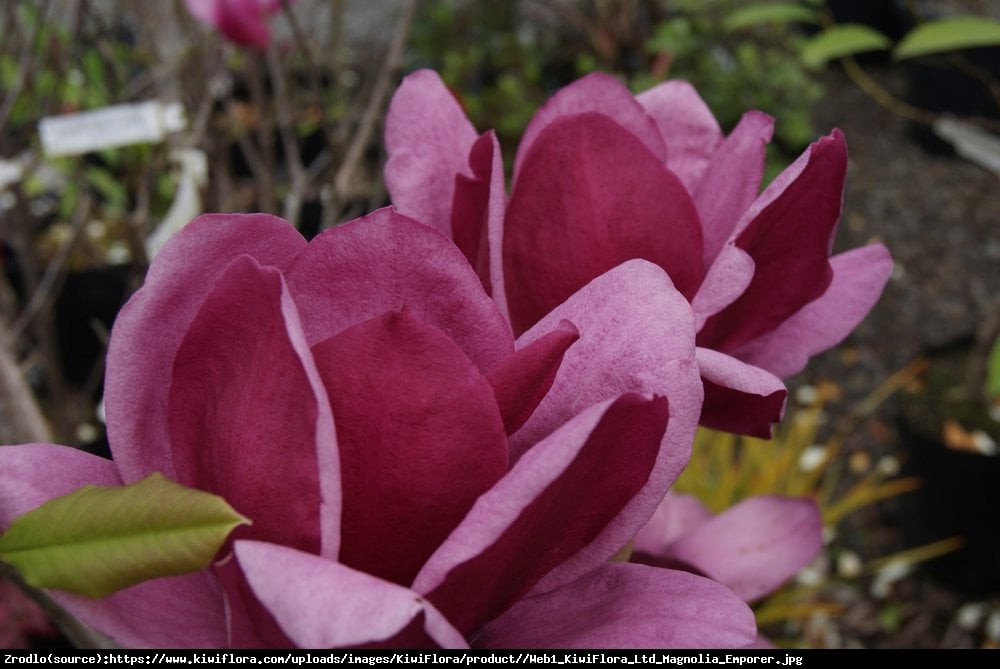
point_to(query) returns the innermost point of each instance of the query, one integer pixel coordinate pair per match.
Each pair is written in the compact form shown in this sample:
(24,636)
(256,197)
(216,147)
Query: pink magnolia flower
(753,547)
(414,475)
(242,21)
(601,177)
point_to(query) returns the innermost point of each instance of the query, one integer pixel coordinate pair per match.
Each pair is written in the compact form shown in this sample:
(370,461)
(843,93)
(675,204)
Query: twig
(293,156)
(25,64)
(23,420)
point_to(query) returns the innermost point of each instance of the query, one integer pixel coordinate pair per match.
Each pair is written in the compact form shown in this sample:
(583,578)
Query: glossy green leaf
(948,34)
(778,12)
(98,540)
(845,39)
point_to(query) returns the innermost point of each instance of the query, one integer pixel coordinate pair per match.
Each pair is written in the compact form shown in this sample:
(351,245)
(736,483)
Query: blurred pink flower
(414,475)
(20,618)
(242,21)
(601,177)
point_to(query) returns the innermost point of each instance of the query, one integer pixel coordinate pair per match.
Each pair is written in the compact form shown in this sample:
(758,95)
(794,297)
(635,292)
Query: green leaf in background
(779,12)
(993,371)
(948,34)
(845,39)
(99,539)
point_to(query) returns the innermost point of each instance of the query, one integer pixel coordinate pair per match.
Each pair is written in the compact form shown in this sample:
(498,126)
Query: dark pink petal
(756,545)
(626,606)
(788,233)
(420,438)
(589,197)
(600,93)
(687,125)
(724,282)
(732,180)
(523,379)
(428,139)
(242,21)
(636,333)
(149,329)
(249,622)
(859,276)
(176,612)
(245,419)
(739,398)
(384,262)
(677,515)
(320,603)
(555,505)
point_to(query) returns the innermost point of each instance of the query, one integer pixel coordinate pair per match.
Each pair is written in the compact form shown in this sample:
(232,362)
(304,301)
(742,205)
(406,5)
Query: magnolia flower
(414,476)
(753,547)
(601,177)
(242,21)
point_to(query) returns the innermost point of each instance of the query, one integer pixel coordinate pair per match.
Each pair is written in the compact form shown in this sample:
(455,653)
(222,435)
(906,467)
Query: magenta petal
(600,93)
(859,275)
(756,545)
(589,197)
(626,606)
(739,398)
(420,438)
(320,603)
(243,411)
(149,329)
(727,277)
(788,232)
(732,181)
(559,503)
(384,262)
(677,515)
(182,611)
(523,380)
(428,139)
(687,125)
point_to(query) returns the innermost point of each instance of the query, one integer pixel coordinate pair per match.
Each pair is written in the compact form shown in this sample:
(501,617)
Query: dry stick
(25,64)
(23,421)
(263,126)
(293,157)
(373,110)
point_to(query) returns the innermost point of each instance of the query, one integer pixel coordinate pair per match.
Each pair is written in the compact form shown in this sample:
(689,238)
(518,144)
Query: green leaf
(779,12)
(845,39)
(948,34)
(993,371)
(98,540)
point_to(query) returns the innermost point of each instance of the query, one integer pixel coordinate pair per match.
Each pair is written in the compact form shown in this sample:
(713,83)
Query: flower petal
(687,125)
(521,382)
(677,515)
(428,139)
(244,415)
(556,504)
(384,262)
(788,232)
(626,606)
(149,328)
(727,277)
(323,604)
(420,438)
(739,398)
(590,196)
(600,93)
(162,613)
(859,275)
(756,545)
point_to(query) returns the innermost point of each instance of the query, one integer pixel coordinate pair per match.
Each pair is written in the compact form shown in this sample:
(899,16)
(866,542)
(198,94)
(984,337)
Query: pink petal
(556,504)
(687,125)
(323,604)
(181,611)
(626,606)
(428,139)
(788,233)
(732,180)
(522,381)
(384,262)
(242,21)
(739,398)
(600,93)
(420,438)
(724,282)
(677,515)
(859,276)
(756,545)
(590,196)
(149,329)
(243,413)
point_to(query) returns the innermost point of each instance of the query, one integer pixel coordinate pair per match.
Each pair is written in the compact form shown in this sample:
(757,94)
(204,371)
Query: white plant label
(109,127)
